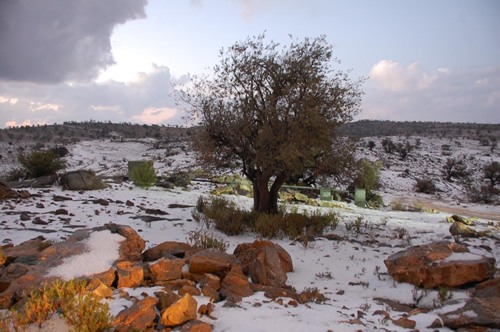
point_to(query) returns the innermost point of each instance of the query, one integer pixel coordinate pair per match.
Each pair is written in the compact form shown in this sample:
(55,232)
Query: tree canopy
(274,110)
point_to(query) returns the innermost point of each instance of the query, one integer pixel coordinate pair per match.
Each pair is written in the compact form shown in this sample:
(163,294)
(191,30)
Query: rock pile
(181,270)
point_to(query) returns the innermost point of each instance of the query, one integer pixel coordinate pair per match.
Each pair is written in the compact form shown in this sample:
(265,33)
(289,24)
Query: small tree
(273,111)
(454,169)
(370,145)
(492,173)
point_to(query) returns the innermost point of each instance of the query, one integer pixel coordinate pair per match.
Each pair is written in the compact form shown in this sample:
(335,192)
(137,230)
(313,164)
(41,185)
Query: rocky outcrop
(82,180)
(480,311)
(181,270)
(440,263)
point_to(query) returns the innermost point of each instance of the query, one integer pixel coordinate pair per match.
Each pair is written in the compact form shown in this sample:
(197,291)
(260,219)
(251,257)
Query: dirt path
(469,211)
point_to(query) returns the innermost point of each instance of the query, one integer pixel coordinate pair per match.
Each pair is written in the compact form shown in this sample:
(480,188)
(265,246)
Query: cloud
(396,92)
(51,41)
(392,76)
(149,99)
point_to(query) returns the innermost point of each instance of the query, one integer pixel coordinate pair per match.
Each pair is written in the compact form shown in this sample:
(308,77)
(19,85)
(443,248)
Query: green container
(360,197)
(325,195)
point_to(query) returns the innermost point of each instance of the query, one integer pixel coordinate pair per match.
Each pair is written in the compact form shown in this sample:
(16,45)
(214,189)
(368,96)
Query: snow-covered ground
(350,272)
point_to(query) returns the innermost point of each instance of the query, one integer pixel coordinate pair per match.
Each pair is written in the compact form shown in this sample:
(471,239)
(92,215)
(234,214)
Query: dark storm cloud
(51,41)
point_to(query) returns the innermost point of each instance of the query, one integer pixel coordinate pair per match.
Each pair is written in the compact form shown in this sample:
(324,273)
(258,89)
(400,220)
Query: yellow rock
(180,312)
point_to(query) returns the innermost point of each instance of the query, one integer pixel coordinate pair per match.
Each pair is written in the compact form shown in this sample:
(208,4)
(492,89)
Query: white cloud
(149,99)
(410,93)
(393,76)
(152,115)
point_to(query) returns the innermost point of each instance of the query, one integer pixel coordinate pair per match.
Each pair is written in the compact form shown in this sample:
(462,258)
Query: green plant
(425,186)
(41,163)
(86,313)
(143,175)
(268,225)
(203,239)
(83,311)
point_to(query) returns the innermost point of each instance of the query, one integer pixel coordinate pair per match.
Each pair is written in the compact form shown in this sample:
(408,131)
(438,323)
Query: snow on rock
(103,251)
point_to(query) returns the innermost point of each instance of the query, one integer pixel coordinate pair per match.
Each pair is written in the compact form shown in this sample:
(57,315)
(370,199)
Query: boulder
(235,284)
(82,180)
(165,269)
(460,229)
(166,249)
(439,263)
(246,253)
(180,312)
(211,261)
(138,317)
(480,311)
(130,274)
(266,262)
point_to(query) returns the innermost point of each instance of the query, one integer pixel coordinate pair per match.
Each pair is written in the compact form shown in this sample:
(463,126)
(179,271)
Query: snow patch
(103,251)
(461,256)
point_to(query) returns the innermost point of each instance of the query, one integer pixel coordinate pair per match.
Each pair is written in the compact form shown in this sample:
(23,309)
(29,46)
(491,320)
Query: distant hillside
(69,132)
(366,128)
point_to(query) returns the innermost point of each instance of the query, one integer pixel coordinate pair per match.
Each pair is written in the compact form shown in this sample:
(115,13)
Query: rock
(130,274)
(236,284)
(481,310)
(131,249)
(7,193)
(439,264)
(267,269)
(191,289)
(138,317)
(165,269)
(404,322)
(246,253)
(460,229)
(166,299)
(82,180)
(211,261)
(196,326)
(166,249)
(98,288)
(180,312)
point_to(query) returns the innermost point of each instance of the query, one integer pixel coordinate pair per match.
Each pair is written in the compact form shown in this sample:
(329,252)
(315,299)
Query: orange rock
(180,312)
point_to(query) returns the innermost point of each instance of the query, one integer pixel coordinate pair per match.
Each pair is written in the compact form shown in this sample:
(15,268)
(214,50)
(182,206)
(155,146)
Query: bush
(143,175)
(269,225)
(425,186)
(203,239)
(83,311)
(224,214)
(41,163)
(483,194)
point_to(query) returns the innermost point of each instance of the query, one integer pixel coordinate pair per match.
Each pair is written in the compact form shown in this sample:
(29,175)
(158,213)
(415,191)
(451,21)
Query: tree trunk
(265,199)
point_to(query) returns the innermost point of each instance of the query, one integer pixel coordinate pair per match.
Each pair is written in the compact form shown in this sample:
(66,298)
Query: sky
(120,60)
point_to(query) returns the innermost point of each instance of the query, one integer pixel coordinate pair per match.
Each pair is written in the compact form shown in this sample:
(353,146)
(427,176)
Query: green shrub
(269,225)
(143,175)
(294,224)
(205,240)
(425,186)
(318,222)
(225,215)
(41,163)
(86,313)
(83,311)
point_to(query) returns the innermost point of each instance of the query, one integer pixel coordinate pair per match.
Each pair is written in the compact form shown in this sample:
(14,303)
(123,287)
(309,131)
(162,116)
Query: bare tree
(274,111)
(492,173)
